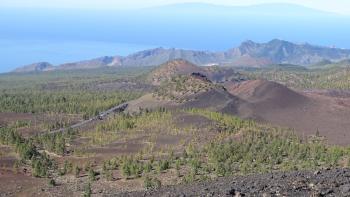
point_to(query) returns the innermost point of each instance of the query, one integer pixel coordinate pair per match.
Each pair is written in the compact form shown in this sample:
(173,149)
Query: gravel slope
(334,182)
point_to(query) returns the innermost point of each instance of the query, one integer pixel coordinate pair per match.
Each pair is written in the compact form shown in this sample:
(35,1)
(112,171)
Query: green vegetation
(107,173)
(73,79)
(116,127)
(131,167)
(69,102)
(73,92)
(243,147)
(179,86)
(87,190)
(27,151)
(52,182)
(151,183)
(54,142)
(269,151)
(60,96)
(229,123)
(77,171)
(92,175)
(22,124)
(67,168)
(231,146)
(163,165)
(331,78)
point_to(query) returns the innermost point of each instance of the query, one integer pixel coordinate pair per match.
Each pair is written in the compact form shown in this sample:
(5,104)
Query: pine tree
(87,190)
(77,171)
(92,175)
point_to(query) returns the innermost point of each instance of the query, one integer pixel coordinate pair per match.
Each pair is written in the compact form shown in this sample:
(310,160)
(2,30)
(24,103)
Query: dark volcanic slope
(306,113)
(320,183)
(267,94)
(216,99)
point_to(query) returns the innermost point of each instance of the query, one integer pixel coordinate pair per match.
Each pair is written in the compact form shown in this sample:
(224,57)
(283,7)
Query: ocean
(15,53)
(66,35)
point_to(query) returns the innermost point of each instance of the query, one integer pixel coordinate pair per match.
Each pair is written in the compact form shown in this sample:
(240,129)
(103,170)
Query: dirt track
(102,115)
(317,183)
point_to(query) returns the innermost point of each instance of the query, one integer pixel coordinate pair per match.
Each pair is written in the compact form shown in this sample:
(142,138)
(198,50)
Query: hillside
(334,77)
(189,91)
(262,100)
(284,52)
(296,183)
(307,113)
(326,64)
(171,69)
(248,54)
(196,125)
(179,87)
(191,99)
(221,74)
(267,94)
(36,67)
(92,64)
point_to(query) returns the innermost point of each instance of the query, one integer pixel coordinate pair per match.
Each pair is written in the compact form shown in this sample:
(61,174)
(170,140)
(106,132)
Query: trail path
(117,109)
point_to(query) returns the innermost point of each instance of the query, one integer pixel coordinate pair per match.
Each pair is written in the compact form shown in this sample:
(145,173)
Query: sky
(87,29)
(338,6)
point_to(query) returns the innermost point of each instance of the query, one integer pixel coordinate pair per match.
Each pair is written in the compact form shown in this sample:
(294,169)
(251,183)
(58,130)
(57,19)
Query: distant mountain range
(36,67)
(249,54)
(78,34)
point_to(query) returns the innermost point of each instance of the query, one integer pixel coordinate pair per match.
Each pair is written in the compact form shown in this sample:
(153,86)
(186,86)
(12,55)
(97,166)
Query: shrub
(52,182)
(77,171)
(87,190)
(151,183)
(92,175)
(148,167)
(163,165)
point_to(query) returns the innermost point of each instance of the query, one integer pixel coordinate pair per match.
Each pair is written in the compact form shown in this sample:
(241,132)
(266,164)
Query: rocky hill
(182,84)
(171,69)
(187,91)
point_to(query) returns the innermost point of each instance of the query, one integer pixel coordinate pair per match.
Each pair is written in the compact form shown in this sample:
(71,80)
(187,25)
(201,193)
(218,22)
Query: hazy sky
(340,6)
(73,35)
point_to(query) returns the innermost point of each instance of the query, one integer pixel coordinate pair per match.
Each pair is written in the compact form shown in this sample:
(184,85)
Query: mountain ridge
(35,67)
(248,53)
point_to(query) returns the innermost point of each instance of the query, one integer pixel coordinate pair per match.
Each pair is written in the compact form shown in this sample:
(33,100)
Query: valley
(174,128)
(174,98)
